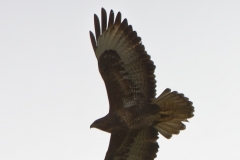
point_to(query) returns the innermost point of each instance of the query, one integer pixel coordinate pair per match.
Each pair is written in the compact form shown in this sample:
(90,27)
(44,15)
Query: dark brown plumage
(135,116)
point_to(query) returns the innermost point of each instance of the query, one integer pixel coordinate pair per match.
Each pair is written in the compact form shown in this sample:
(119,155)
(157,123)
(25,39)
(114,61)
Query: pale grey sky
(51,90)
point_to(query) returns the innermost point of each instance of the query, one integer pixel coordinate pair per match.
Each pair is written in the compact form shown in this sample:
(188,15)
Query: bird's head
(106,124)
(96,124)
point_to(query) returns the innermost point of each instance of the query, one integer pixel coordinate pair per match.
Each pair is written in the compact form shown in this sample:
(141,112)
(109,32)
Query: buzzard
(135,115)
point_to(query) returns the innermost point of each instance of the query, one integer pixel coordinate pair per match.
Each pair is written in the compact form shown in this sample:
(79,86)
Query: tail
(174,108)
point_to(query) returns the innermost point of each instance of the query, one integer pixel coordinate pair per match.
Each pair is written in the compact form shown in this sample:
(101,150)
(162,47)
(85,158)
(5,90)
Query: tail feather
(175,124)
(174,108)
(168,129)
(166,134)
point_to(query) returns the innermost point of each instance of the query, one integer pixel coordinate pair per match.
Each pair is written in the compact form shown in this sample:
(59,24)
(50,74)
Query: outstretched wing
(136,145)
(124,64)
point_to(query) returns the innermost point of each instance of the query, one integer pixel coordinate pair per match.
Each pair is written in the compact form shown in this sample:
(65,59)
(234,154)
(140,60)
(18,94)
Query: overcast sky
(51,90)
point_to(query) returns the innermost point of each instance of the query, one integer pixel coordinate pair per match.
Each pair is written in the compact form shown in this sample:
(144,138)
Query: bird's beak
(92,126)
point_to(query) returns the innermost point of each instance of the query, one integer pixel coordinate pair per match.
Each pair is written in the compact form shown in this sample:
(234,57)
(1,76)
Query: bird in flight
(136,115)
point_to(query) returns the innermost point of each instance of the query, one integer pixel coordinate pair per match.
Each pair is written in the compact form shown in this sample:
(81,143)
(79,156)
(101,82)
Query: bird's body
(129,119)
(135,115)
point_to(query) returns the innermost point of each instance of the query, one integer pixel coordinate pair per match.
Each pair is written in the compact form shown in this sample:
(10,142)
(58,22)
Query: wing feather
(118,19)
(121,90)
(97,26)
(104,20)
(111,19)
(94,45)
(135,145)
